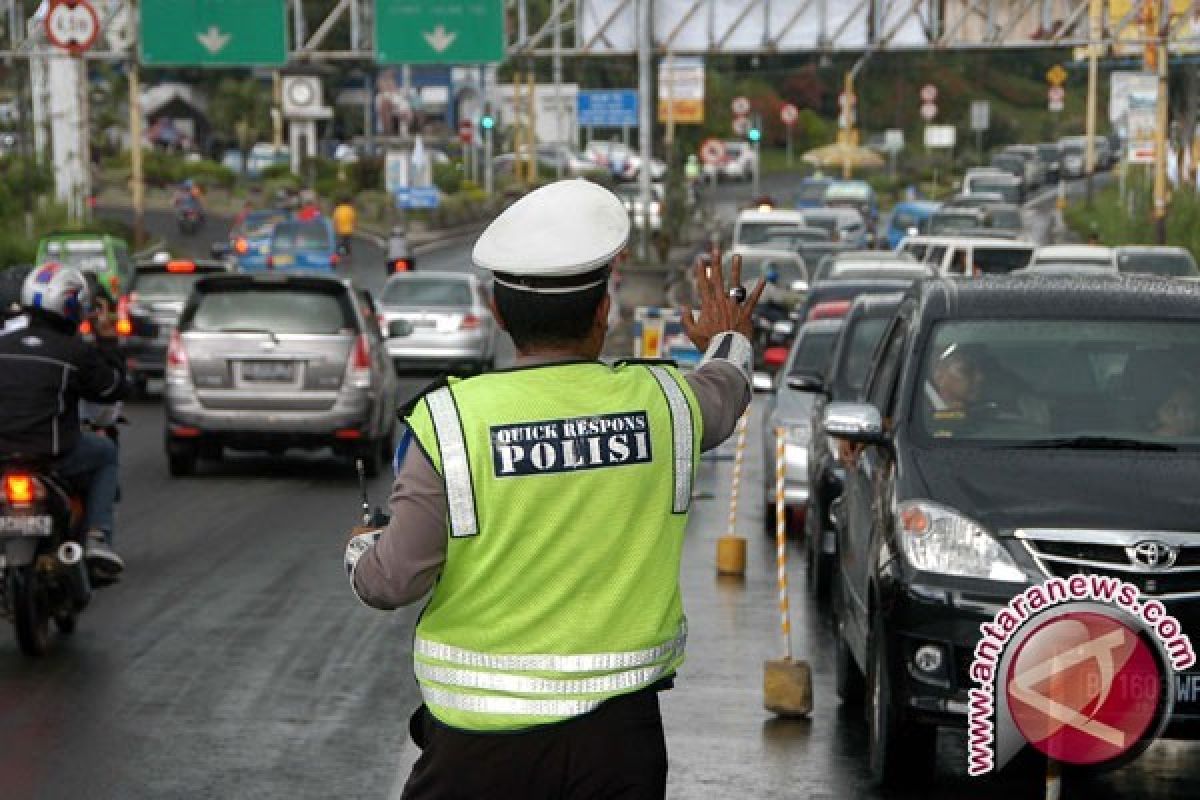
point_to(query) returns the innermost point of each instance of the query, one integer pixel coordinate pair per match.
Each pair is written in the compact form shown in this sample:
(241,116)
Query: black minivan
(1013,429)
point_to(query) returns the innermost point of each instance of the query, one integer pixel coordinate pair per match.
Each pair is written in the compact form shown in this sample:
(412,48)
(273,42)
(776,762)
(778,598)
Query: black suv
(1013,429)
(844,382)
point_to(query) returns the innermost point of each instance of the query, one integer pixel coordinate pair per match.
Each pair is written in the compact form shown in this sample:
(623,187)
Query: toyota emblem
(1153,555)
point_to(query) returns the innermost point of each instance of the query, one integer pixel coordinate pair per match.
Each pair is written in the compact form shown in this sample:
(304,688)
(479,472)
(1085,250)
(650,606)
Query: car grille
(1064,552)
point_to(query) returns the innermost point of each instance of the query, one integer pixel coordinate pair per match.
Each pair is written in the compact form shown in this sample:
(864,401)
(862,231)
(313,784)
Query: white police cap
(560,238)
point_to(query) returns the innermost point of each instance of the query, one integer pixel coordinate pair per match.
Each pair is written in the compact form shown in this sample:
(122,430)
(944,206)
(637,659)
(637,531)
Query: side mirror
(855,422)
(806,382)
(914,231)
(799,286)
(220,249)
(399,328)
(775,357)
(762,382)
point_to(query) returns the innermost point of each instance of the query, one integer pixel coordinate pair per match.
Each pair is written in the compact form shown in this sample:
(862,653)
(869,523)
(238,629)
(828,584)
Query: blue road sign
(417,197)
(608,108)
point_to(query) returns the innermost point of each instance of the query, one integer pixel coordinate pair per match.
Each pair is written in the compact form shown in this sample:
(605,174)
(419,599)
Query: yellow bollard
(787,684)
(731,548)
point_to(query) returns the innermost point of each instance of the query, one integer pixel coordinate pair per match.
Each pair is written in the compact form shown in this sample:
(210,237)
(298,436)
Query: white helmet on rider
(57,289)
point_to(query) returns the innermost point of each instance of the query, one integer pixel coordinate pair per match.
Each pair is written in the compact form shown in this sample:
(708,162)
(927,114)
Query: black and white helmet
(58,290)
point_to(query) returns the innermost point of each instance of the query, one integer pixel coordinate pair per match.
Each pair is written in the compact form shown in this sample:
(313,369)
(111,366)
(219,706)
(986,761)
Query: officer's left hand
(718,311)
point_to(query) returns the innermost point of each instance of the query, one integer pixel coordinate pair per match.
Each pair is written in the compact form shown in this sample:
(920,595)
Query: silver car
(273,360)
(438,321)
(790,406)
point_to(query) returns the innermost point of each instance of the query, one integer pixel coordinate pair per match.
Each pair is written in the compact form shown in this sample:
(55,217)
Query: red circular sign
(72,25)
(1084,688)
(712,151)
(1056,94)
(789,113)
(929,93)
(928,111)
(741,105)
(466,130)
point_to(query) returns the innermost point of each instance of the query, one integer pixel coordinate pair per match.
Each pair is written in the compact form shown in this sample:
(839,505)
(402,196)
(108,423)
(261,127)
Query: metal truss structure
(585,28)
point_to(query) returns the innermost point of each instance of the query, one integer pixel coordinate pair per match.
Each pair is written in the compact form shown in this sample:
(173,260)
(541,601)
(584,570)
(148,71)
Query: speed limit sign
(72,25)
(712,151)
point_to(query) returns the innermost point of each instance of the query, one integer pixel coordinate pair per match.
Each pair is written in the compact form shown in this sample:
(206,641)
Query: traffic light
(487,122)
(754,134)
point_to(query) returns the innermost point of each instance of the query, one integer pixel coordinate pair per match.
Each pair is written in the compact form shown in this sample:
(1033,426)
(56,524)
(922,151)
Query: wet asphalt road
(233,661)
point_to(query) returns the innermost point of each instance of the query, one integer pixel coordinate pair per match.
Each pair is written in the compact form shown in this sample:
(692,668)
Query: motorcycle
(43,575)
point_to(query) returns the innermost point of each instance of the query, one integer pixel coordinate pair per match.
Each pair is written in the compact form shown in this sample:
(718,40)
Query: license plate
(424,323)
(38,525)
(269,371)
(284,261)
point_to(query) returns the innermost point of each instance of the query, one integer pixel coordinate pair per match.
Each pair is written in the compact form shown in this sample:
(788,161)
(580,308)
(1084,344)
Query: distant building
(176,117)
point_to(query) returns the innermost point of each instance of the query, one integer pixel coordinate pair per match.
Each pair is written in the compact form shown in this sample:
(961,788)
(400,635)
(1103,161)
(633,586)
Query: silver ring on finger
(738,294)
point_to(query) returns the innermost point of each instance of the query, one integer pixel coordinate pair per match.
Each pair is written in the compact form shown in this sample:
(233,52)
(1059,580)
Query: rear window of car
(1006,218)
(427,293)
(812,353)
(297,236)
(262,223)
(280,311)
(1001,260)
(165,284)
(87,255)
(811,192)
(1173,265)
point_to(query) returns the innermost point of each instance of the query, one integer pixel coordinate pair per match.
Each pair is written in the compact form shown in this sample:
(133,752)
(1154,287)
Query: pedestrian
(545,506)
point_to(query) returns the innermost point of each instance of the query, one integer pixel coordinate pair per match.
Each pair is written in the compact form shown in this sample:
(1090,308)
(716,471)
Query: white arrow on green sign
(213,32)
(442,32)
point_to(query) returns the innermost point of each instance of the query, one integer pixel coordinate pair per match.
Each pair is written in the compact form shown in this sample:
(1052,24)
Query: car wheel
(899,751)
(181,459)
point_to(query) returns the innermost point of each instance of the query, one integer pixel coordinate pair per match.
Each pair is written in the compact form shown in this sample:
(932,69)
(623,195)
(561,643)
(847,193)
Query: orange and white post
(787,683)
(731,548)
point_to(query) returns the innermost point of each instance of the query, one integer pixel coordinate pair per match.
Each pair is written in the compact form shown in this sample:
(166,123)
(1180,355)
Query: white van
(752,225)
(952,255)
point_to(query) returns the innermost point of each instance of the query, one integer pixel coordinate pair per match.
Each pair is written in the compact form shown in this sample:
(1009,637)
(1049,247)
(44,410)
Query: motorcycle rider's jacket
(46,368)
(568,489)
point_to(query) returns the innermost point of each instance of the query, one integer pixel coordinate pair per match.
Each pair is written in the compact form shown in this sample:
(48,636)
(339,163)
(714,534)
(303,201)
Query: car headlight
(784,327)
(939,539)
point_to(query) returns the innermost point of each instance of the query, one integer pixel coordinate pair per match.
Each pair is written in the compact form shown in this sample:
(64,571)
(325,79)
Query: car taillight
(20,489)
(177,360)
(270,262)
(358,369)
(333,260)
(241,246)
(124,323)
(470,322)
(85,328)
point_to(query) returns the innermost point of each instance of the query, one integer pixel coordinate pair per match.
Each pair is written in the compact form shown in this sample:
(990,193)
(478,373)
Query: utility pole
(137,184)
(559,133)
(1095,11)
(645,116)
(1162,28)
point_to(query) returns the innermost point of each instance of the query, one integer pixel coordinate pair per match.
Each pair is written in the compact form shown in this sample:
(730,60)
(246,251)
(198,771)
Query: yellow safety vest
(568,489)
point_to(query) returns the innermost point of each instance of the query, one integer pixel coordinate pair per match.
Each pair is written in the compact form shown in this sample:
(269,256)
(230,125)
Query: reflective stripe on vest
(681,423)
(488,704)
(456,468)
(590,662)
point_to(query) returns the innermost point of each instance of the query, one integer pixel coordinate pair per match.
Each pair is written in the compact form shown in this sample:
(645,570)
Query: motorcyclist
(46,368)
(399,258)
(345,218)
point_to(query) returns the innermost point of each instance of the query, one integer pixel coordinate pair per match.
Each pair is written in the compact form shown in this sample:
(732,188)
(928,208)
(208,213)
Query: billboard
(681,90)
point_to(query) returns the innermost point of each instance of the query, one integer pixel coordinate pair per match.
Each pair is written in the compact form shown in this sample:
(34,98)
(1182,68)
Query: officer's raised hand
(721,308)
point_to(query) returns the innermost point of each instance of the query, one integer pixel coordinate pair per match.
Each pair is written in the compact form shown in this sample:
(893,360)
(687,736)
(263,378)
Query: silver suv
(270,361)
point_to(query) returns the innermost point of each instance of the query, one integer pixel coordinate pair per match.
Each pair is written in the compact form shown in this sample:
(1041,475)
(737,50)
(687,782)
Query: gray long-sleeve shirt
(402,566)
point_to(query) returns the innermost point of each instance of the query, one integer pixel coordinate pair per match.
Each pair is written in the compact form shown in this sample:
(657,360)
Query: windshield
(1001,260)
(1007,219)
(1026,381)
(87,256)
(812,353)
(425,293)
(811,193)
(280,311)
(295,237)
(759,232)
(165,284)
(1174,265)
(944,223)
(1010,192)
(261,223)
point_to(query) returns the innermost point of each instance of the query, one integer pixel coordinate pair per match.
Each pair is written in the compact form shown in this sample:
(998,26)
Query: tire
(900,752)
(181,459)
(31,617)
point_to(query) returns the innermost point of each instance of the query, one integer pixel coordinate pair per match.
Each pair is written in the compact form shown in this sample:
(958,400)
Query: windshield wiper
(1098,443)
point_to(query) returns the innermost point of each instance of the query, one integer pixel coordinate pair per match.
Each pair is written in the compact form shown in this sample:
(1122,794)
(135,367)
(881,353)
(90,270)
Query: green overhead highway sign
(213,33)
(442,32)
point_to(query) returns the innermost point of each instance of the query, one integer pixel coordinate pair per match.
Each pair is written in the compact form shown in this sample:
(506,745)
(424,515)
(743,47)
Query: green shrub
(447,177)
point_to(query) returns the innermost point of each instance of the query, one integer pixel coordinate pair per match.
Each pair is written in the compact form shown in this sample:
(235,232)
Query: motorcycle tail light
(20,489)
(241,246)
(124,323)
(85,327)
(333,260)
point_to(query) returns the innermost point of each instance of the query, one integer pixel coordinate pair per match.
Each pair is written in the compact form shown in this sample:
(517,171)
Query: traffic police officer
(546,505)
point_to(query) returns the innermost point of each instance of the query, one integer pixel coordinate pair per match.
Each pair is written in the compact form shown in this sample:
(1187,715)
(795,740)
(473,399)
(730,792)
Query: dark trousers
(616,752)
